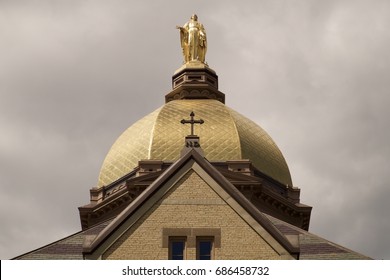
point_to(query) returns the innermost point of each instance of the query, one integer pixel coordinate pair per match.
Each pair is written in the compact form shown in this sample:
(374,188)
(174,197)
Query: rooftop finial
(193,40)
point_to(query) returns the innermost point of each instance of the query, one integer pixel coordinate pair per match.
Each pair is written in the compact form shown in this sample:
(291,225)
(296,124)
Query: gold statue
(193,40)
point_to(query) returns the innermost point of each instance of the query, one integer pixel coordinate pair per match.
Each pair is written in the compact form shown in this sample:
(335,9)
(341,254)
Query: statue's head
(194,17)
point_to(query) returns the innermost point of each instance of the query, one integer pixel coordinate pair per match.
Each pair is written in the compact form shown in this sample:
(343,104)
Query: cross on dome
(192,121)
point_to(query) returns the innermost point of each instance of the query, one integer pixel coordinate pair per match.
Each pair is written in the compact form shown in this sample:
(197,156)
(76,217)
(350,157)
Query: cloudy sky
(314,74)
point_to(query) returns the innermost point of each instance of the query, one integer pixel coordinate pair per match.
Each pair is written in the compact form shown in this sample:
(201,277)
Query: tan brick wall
(191,203)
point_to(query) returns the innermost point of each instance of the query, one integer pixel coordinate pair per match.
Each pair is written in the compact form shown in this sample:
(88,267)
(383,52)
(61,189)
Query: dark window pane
(205,250)
(204,247)
(177,249)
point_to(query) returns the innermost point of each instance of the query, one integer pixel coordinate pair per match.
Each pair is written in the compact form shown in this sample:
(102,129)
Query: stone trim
(191,234)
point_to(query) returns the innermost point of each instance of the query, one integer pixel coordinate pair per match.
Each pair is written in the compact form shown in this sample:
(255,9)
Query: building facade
(194,180)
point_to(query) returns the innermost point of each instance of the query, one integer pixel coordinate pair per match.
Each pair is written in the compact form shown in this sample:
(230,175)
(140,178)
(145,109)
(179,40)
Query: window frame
(171,241)
(200,239)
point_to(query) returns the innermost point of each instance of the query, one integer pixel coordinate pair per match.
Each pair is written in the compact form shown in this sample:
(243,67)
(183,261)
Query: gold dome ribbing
(225,135)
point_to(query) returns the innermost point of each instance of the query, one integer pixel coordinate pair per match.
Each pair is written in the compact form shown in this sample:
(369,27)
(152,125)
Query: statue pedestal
(195,80)
(195,64)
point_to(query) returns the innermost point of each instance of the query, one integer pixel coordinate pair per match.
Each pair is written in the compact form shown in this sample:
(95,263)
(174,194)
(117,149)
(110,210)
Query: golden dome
(225,135)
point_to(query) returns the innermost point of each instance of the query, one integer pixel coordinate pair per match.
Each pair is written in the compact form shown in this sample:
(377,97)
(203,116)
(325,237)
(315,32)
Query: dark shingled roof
(68,248)
(313,247)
